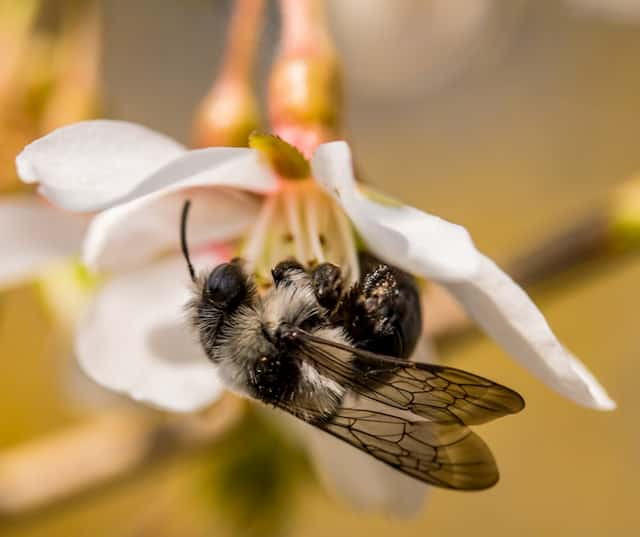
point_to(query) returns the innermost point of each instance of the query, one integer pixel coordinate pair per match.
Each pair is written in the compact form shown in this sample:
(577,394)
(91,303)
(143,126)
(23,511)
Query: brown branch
(591,243)
(116,444)
(584,241)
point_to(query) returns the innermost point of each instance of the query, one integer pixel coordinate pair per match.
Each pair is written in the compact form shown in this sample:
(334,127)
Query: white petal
(85,394)
(426,244)
(135,339)
(508,315)
(237,167)
(365,482)
(147,224)
(434,248)
(33,235)
(137,232)
(85,166)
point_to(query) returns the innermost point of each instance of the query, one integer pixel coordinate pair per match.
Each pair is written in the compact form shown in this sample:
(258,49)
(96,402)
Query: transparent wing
(448,456)
(441,394)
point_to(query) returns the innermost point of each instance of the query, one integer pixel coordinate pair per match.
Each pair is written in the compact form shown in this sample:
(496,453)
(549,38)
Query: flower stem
(229,112)
(304,28)
(244,30)
(304,89)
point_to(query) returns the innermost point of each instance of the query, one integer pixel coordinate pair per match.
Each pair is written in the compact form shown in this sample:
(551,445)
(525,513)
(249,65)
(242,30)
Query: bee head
(226,286)
(218,294)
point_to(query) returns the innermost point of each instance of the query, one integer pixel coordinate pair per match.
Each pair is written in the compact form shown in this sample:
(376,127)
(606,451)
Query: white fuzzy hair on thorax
(243,339)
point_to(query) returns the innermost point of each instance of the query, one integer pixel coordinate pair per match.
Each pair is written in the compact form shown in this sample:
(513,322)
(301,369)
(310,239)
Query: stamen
(295,226)
(311,206)
(346,236)
(279,243)
(255,245)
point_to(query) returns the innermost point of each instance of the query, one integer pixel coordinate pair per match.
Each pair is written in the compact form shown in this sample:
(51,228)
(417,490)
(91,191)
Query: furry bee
(337,358)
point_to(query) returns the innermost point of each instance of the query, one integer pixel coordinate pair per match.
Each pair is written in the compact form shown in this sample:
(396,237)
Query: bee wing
(440,394)
(449,456)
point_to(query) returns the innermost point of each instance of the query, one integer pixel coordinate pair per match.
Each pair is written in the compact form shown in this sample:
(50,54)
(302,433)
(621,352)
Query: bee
(338,358)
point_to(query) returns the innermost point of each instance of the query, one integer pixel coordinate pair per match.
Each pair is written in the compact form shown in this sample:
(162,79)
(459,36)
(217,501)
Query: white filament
(301,221)
(257,236)
(295,226)
(349,245)
(313,233)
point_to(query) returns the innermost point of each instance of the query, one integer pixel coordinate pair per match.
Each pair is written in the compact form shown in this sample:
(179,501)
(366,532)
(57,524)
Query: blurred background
(514,119)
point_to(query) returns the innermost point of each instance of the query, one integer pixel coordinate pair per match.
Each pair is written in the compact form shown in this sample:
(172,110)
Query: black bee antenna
(183,238)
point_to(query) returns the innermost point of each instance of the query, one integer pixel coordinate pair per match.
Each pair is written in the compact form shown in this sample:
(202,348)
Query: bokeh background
(511,118)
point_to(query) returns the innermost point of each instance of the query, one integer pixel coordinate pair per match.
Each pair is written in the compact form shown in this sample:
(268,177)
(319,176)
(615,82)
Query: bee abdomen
(274,378)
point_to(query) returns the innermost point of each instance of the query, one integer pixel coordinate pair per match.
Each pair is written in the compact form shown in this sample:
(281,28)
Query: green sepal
(65,289)
(283,157)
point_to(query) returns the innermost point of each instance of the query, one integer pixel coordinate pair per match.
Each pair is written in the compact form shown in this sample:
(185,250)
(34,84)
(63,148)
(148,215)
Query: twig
(595,241)
(112,446)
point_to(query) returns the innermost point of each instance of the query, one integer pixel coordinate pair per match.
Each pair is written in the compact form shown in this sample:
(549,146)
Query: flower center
(302,222)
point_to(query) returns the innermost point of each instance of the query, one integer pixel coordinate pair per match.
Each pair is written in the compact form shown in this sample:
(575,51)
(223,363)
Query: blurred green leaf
(254,476)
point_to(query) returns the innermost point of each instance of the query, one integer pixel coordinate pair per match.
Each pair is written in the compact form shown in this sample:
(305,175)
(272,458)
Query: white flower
(34,235)
(135,338)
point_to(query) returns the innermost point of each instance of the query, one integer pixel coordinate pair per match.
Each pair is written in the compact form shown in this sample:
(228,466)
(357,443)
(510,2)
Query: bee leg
(327,283)
(287,271)
(382,311)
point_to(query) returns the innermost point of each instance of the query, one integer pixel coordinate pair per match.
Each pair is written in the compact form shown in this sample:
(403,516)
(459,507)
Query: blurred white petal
(236,167)
(85,394)
(352,475)
(135,339)
(138,232)
(434,248)
(417,241)
(147,224)
(66,289)
(91,165)
(508,315)
(33,235)
(87,165)
(365,482)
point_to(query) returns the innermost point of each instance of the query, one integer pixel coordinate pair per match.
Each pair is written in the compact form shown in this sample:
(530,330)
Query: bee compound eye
(226,283)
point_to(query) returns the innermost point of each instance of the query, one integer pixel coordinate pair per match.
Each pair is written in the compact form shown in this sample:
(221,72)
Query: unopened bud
(227,116)
(306,90)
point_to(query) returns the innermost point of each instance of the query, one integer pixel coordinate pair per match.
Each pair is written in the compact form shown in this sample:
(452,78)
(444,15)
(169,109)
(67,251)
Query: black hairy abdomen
(274,378)
(382,312)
